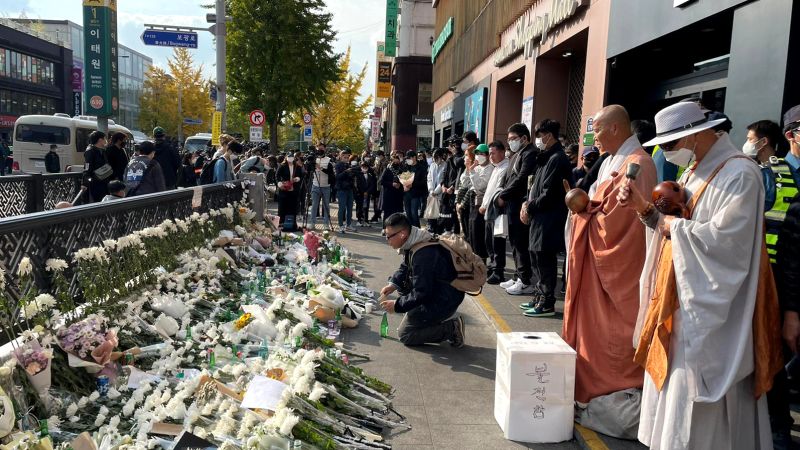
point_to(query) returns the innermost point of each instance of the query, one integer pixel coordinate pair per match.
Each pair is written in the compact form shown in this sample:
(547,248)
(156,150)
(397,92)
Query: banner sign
(391,28)
(100,56)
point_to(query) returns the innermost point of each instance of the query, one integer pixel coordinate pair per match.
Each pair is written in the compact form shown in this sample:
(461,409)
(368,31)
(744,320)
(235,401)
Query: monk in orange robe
(607,247)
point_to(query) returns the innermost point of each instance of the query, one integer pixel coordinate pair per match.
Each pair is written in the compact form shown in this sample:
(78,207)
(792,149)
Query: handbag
(432,208)
(500,228)
(105,171)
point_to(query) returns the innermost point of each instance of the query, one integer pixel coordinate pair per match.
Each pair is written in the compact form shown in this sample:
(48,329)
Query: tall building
(132,67)
(35,75)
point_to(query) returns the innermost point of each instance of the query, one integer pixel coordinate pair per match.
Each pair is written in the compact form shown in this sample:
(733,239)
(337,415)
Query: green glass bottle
(212,360)
(298,342)
(385,325)
(189,333)
(43,430)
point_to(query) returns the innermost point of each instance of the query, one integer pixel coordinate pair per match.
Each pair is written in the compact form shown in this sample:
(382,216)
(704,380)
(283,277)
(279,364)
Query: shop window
(43,134)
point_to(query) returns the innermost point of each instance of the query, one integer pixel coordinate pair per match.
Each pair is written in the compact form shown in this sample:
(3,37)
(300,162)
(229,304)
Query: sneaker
(349,228)
(521,289)
(495,279)
(342,229)
(540,310)
(458,332)
(507,284)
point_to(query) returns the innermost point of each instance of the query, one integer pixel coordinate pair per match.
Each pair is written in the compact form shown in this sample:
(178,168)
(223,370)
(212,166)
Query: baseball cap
(590,149)
(791,117)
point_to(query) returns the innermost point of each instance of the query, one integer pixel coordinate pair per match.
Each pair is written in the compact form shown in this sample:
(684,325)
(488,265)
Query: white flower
(74,419)
(317,393)
(298,330)
(72,409)
(55,265)
(31,309)
(53,423)
(94,396)
(99,420)
(84,401)
(25,267)
(113,393)
(104,410)
(127,410)
(114,422)
(288,424)
(109,244)
(45,301)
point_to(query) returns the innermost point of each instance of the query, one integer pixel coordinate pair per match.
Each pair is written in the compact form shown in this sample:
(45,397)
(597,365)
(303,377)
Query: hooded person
(708,331)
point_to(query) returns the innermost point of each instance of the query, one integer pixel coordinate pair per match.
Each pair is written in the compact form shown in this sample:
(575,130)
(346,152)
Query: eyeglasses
(390,236)
(668,146)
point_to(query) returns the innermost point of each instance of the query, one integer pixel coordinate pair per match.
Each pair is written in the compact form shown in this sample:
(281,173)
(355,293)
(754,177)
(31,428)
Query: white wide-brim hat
(679,120)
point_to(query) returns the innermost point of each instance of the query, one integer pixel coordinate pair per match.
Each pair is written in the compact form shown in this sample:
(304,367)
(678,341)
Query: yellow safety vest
(785,190)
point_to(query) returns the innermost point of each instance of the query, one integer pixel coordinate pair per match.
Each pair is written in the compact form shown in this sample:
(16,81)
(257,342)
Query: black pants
(545,267)
(376,207)
(477,232)
(518,237)
(496,249)
(362,207)
(416,329)
(778,401)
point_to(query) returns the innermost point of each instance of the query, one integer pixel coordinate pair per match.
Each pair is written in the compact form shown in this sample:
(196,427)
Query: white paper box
(534,387)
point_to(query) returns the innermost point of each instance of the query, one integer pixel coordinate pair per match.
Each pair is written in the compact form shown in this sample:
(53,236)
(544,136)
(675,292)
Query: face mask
(515,145)
(681,157)
(353,163)
(464,146)
(409,161)
(290,159)
(751,149)
(588,163)
(481,159)
(540,144)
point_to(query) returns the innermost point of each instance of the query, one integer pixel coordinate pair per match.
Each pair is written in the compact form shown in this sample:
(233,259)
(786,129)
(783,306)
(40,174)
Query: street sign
(376,129)
(588,139)
(77,103)
(421,120)
(216,127)
(384,79)
(306,118)
(212,92)
(164,38)
(391,27)
(307,133)
(256,134)
(100,50)
(188,121)
(257,118)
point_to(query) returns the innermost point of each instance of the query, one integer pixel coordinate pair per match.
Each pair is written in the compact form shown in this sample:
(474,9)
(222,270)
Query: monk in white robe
(700,388)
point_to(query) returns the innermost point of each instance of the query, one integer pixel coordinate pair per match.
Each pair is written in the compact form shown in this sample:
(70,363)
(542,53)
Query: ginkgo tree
(338,118)
(159,100)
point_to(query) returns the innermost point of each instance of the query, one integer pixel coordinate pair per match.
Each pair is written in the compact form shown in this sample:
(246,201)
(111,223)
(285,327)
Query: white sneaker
(521,289)
(508,283)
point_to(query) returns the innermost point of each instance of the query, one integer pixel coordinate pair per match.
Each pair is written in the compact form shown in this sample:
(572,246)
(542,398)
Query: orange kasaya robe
(606,256)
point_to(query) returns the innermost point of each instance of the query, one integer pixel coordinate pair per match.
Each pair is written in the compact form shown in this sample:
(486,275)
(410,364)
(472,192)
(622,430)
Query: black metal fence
(25,194)
(59,233)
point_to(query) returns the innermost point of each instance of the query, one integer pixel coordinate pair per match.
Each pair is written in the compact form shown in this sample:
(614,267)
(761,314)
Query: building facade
(132,67)
(733,54)
(35,76)
(509,61)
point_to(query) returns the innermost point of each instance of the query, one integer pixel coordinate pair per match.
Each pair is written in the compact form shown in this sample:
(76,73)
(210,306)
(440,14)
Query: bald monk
(607,245)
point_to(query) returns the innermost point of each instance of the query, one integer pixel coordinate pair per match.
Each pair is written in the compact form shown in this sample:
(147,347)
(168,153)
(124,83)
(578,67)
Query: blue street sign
(212,93)
(163,38)
(188,121)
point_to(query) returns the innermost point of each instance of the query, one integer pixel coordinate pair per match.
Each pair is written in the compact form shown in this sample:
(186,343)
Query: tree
(338,118)
(159,100)
(279,57)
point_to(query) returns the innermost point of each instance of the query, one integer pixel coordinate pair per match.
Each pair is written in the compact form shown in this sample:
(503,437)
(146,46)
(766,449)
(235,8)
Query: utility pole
(221,36)
(180,112)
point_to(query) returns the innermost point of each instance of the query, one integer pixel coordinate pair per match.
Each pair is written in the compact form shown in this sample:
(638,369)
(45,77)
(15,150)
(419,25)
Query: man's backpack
(207,173)
(470,269)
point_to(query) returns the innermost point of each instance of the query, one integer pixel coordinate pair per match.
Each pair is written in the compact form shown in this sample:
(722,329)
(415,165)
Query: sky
(359,24)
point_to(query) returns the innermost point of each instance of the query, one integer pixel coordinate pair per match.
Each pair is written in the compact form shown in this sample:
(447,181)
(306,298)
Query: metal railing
(25,194)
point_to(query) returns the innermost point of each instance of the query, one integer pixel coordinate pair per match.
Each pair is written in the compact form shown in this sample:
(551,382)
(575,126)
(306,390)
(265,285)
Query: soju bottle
(212,360)
(298,342)
(385,325)
(189,333)
(263,352)
(43,430)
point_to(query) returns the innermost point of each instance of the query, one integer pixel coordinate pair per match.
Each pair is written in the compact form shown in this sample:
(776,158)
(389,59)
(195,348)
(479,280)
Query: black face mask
(588,163)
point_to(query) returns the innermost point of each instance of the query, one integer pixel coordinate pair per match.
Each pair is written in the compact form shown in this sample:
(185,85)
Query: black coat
(391,197)
(424,284)
(167,156)
(95,158)
(289,201)
(366,185)
(515,180)
(546,208)
(787,260)
(118,160)
(419,187)
(344,176)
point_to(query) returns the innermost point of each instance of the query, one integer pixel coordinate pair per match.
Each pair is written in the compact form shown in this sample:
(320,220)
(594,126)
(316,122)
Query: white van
(198,142)
(34,134)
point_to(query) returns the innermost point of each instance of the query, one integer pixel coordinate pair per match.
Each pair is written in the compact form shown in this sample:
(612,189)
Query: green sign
(588,139)
(444,36)
(100,57)
(391,28)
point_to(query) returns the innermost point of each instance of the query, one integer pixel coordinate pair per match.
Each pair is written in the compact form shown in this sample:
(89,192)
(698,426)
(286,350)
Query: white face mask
(540,144)
(515,145)
(464,146)
(682,157)
(751,149)
(409,161)
(290,159)
(353,163)
(481,159)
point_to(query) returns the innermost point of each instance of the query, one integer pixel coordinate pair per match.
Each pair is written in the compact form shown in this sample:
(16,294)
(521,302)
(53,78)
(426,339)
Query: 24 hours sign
(101,56)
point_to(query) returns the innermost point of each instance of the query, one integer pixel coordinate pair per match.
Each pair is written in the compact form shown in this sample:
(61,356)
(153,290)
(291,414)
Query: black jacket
(391,197)
(283,175)
(453,169)
(419,187)
(169,160)
(591,176)
(546,208)
(344,176)
(515,180)
(424,283)
(118,160)
(95,158)
(366,185)
(788,260)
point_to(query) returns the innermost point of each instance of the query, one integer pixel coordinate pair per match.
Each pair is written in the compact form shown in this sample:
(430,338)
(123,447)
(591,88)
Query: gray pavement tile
(462,406)
(518,322)
(419,434)
(471,436)
(413,447)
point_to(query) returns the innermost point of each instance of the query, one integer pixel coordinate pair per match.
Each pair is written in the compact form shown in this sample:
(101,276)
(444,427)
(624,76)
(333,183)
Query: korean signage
(216,127)
(100,50)
(442,39)
(384,79)
(77,103)
(256,134)
(391,27)
(527,112)
(77,78)
(375,128)
(7,121)
(474,112)
(531,30)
